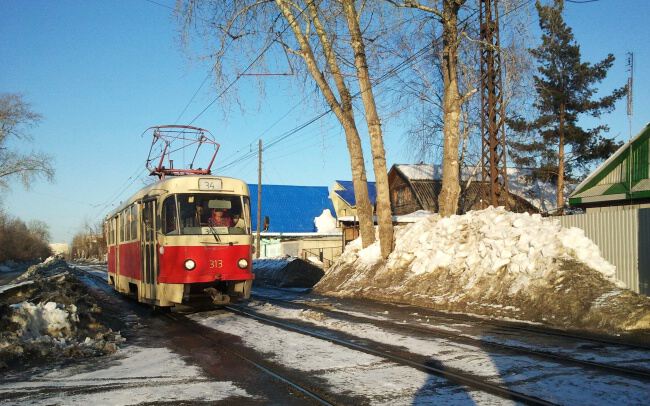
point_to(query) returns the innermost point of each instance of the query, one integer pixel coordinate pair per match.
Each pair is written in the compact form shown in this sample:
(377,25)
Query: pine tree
(553,142)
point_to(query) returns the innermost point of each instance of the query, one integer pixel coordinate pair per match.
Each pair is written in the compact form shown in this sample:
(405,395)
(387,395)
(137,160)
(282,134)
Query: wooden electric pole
(259,198)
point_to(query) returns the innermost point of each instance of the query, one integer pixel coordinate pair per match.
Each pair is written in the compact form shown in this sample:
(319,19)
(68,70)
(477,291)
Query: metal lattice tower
(493,134)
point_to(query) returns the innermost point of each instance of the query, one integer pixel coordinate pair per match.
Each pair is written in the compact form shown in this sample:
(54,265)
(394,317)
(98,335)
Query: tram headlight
(242,263)
(190,264)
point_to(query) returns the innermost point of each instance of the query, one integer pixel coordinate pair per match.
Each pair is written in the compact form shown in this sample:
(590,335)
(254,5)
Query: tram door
(148,242)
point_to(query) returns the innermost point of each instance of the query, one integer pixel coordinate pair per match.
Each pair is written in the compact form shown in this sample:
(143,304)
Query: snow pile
(522,265)
(286,272)
(50,314)
(325,223)
(488,240)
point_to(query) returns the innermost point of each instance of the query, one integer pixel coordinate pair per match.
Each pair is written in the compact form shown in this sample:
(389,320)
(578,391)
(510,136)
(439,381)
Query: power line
(193,96)
(387,75)
(390,73)
(135,176)
(250,65)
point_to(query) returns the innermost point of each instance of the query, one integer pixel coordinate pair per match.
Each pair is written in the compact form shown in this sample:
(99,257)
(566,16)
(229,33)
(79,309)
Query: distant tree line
(89,243)
(23,242)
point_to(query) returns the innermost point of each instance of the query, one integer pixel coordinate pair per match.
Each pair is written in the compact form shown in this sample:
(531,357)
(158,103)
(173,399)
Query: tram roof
(171,184)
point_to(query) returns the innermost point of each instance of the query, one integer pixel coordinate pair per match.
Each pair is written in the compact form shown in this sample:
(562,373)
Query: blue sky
(101,72)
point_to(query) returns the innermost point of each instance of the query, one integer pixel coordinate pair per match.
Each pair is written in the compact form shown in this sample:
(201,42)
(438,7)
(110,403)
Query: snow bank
(286,272)
(479,261)
(49,314)
(488,240)
(482,242)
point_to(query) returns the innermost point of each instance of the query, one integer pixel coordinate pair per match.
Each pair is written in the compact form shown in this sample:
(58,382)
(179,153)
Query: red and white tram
(182,239)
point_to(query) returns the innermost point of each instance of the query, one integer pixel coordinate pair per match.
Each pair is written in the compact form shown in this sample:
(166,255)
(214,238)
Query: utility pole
(493,134)
(259,198)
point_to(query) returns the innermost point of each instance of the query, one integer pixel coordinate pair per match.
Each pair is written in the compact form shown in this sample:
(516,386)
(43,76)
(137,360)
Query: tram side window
(170,225)
(126,224)
(134,222)
(110,231)
(122,228)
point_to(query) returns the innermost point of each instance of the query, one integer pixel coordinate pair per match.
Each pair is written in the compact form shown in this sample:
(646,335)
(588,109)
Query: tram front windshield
(211,214)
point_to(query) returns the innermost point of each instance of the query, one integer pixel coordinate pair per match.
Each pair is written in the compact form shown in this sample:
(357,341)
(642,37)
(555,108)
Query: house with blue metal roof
(343,199)
(288,219)
(290,209)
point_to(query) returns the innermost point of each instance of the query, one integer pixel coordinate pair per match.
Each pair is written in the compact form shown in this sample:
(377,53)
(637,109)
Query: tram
(184,238)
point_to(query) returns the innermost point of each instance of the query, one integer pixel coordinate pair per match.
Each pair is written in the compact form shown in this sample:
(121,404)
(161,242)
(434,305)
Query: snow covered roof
(422,171)
(542,195)
(616,180)
(291,209)
(404,218)
(347,194)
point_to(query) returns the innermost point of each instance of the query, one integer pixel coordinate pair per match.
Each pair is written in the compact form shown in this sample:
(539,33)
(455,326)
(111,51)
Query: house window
(401,196)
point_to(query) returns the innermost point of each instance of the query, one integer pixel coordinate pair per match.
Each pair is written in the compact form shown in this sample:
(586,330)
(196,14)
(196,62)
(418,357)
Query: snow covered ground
(137,373)
(344,370)
(496,263)
(131,376)
(547,380)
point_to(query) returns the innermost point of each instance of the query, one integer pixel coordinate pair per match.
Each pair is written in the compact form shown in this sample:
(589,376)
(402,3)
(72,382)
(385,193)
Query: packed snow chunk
(40,319)
(529,266)
(325,223)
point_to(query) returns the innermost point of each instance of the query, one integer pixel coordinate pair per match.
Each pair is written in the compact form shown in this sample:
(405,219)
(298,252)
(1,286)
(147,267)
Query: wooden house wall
(428,191)
(402,199)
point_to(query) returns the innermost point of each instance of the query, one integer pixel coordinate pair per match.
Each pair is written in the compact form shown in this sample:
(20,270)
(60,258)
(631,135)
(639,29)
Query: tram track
(309,389)
(206,333)
(317,397)
(626,372)
(456,377)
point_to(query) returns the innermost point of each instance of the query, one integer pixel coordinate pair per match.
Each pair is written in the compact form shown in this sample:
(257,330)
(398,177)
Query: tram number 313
(216,263)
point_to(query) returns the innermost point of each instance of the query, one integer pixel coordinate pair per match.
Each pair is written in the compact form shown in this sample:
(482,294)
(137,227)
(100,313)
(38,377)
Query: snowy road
(165,362)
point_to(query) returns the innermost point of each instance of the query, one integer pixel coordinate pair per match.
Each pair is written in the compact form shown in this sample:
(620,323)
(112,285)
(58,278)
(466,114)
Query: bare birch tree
(452,99)
(426,87)
(384,215)
(318,43)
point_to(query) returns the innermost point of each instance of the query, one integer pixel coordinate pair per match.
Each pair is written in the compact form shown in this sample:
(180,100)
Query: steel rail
(609,368)
(455,377)
(200,331)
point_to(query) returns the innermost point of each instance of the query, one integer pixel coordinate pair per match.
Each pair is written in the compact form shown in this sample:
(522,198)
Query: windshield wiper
(213,231)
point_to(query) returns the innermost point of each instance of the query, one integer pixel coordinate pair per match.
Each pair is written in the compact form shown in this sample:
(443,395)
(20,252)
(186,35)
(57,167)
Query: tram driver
(220,218)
